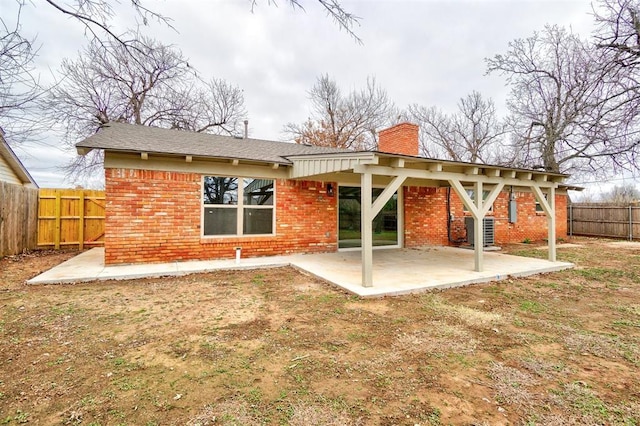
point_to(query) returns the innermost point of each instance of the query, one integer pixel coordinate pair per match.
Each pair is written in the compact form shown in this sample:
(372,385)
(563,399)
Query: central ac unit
(489,231)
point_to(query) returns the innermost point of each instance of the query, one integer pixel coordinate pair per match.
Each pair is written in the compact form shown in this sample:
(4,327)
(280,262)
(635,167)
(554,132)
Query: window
(472,195)
(539,208)
(237,206)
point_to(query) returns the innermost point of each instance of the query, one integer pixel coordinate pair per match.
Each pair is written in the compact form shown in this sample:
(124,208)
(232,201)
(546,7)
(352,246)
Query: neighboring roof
(136,138)
(14,162)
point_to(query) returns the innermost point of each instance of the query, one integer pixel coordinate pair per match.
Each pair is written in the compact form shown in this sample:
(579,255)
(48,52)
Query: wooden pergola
(395,171)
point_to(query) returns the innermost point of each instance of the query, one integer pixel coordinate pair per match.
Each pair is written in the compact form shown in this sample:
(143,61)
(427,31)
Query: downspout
(449,220)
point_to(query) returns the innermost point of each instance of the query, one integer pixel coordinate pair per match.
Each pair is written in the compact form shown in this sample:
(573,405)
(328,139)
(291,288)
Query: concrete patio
(395,271)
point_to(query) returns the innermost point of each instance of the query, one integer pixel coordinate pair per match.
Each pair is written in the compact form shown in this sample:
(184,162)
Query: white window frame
(239,206)
(471,193)
(538,206)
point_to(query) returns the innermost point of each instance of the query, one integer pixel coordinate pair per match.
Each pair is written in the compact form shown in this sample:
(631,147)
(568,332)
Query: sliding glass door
(385,224)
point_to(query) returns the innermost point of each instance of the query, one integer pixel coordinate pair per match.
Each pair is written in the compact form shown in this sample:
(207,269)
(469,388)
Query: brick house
(175,195)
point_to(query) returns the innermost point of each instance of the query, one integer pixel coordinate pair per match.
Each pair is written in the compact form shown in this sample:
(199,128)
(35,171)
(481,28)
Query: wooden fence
(71,217)
(598,220)
(18,218)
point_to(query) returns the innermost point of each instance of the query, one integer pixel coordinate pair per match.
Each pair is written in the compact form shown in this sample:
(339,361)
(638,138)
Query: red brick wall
(530,225)
(425,214)
(425,218)
(399,139)
(155,216)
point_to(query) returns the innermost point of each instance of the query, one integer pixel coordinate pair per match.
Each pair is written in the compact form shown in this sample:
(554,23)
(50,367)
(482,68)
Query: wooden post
(478,228)
(630,222)
(548,203)
(81,222)
(58,214)
(366,229)
(551,224)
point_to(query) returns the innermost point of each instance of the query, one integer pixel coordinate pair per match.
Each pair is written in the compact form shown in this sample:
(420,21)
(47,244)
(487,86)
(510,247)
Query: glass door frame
(399,219)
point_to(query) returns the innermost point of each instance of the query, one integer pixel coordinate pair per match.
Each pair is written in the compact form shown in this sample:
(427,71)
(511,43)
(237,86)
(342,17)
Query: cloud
(427,52)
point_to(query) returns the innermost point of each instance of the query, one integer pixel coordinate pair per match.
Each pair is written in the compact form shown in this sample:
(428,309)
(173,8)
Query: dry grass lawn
(274,346)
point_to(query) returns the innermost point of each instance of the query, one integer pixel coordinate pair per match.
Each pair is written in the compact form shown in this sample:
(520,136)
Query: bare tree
(152,86)
(567,112)
(618,30)
(343,18)
(344,121)
(617,38)
(19,86)
(623,194)
(436,131)
(96,17)
(471,134)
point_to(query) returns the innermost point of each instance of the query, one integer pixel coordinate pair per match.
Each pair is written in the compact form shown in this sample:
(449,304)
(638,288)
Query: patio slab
(395,271)
(403,271)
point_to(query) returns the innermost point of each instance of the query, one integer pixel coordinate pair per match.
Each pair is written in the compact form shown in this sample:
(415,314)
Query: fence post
(81,222)
(571,220)
(630,223)
(58,214)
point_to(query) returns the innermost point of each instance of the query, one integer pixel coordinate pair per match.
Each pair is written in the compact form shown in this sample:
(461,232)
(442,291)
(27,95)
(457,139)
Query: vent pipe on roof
(246,129)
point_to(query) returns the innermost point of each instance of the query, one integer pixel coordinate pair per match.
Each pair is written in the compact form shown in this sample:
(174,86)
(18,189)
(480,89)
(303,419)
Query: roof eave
(143,153)
(16,165)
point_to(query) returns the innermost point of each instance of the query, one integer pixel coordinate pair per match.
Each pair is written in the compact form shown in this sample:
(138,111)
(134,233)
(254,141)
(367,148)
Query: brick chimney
(399,139)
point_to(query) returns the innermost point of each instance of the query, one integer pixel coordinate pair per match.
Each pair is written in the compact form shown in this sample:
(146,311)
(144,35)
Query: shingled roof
(136,138)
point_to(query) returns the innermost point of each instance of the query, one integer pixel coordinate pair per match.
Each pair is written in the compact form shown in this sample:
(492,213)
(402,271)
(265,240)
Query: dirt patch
(275,346)
(15,270)
(560,246)
(633,245)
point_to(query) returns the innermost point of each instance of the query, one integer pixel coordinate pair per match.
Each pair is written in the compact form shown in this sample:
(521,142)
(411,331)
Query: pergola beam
(491,198)
(478,209)
(397,162)
(522,181)
(386,195)
(466,200)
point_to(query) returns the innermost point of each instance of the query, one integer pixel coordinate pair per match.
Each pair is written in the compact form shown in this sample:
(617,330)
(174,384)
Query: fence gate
(71,217)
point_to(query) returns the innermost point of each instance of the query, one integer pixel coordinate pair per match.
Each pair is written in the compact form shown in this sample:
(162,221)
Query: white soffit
(312,165)
(418,168)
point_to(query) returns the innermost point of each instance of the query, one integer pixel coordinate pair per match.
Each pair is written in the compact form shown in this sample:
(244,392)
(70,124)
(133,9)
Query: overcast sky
(427,52)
